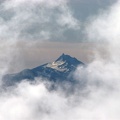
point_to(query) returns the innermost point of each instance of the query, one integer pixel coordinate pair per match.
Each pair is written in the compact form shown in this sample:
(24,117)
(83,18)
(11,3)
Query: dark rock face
(60,70)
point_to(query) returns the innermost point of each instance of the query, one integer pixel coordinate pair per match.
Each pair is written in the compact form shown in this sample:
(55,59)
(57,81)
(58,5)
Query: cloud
(105,28)
(33,102)
(31,21)
(102,75)
(35,20)
(99,100)
(46,20)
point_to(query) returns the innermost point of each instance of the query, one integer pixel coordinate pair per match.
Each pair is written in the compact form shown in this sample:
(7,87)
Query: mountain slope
(59,70)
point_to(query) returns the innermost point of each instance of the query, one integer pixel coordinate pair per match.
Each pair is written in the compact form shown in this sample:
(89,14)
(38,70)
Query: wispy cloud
(36,20)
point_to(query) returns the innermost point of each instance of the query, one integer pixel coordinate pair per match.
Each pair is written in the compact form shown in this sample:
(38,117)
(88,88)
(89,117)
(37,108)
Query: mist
(99,97)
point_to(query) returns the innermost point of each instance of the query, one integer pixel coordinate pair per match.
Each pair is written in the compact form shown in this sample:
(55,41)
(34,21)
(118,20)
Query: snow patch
(55,65)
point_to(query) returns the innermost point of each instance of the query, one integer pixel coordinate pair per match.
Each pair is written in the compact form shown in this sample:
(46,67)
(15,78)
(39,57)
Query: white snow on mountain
(57,65)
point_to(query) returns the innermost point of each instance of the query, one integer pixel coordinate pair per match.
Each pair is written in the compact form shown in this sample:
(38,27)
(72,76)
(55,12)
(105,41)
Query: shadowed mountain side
(57,71)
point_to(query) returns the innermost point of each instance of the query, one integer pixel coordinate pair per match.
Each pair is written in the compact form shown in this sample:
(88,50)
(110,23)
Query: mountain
(57,71)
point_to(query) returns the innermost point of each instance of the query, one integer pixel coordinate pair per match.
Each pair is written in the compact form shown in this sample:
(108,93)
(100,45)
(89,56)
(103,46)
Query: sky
(36,31)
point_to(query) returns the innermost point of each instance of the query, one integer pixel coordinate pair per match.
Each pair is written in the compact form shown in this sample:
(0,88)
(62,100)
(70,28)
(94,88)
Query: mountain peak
(68,59)
(64,57)
(57,70)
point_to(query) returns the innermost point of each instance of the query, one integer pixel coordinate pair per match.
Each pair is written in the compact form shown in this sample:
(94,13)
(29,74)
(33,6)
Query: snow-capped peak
(64,63)
(57,70)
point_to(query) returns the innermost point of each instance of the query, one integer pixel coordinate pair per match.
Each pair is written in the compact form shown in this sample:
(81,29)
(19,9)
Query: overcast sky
(38,31)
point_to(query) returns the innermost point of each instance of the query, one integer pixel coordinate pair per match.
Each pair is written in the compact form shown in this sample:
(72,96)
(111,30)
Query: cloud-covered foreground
(97,100)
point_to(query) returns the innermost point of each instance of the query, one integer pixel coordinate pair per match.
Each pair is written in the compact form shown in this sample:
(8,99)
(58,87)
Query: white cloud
(35,20)
(103,75)
(106,27)
(99,100)
(29,19)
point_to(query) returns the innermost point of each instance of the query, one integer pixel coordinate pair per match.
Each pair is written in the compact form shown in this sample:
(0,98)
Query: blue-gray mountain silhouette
(59,70)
